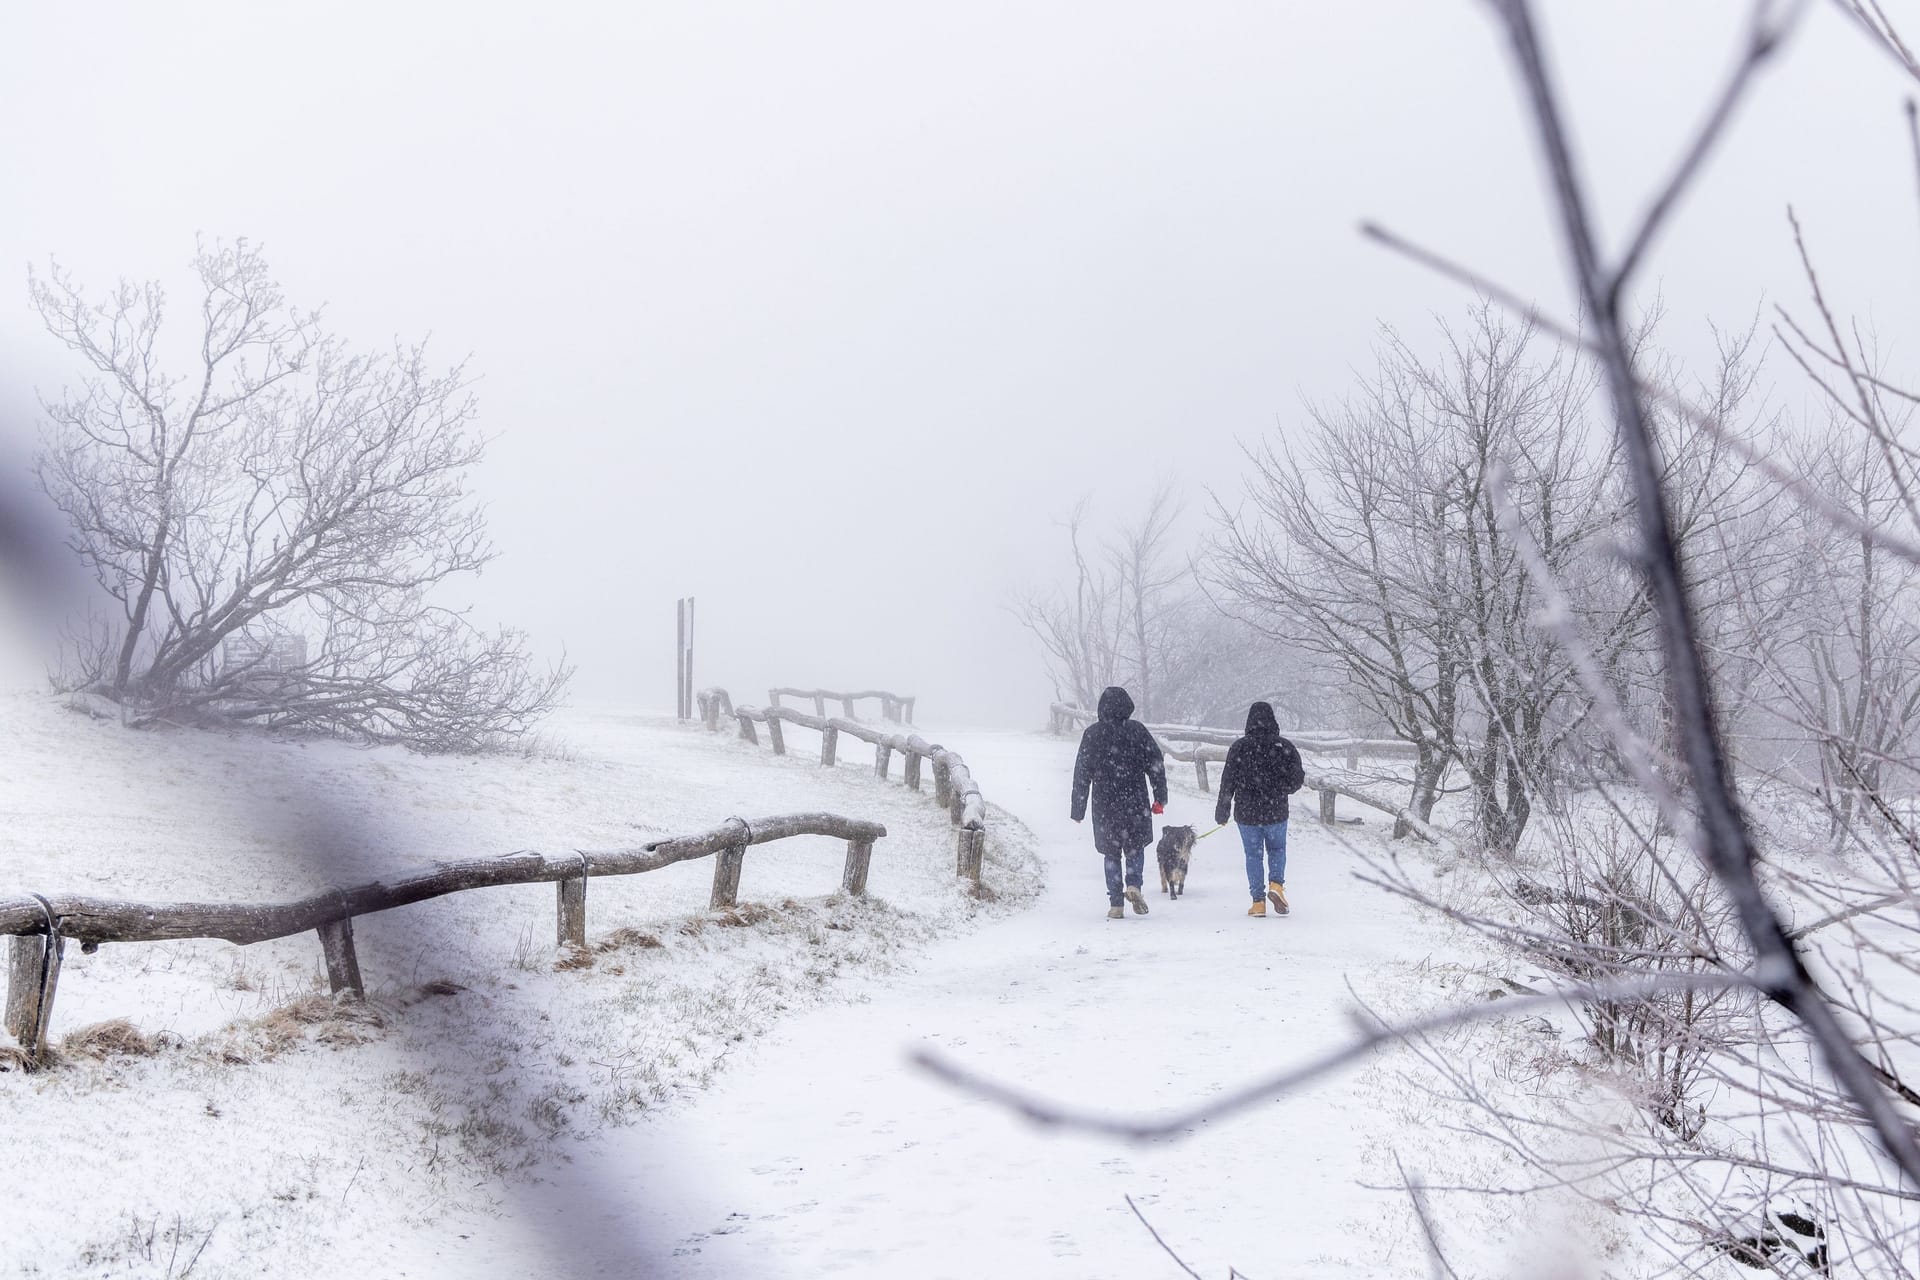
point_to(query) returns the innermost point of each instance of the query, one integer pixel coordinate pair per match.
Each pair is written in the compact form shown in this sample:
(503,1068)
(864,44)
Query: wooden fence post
(829,743)
(846,705)
(773,699)
(1200,773)
(913,770)
(726,877)
(776,735)
(1327,798)
(33,975)
(942,783)
(819,706)
(906,709)
(882,760)
(571,926)
(970,844)
(343,966)
(746,729)
(854,882)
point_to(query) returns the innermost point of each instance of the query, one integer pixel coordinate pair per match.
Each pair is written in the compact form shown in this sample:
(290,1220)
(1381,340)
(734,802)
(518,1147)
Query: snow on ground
(276,1133)
(823,1152)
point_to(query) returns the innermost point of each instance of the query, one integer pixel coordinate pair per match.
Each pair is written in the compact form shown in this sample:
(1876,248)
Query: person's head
(1261,722)
(1115,703)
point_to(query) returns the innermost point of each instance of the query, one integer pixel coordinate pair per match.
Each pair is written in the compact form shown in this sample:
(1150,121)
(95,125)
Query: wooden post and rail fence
(953,785)
(40,925)
(1201,746)
(893,706)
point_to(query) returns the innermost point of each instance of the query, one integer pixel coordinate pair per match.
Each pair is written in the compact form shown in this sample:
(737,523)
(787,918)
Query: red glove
(1159,808)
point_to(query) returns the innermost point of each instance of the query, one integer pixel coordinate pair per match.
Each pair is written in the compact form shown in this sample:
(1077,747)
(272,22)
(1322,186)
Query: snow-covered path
(824,1153)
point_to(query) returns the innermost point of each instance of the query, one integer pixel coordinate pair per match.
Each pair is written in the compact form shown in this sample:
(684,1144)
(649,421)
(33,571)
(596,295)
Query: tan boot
(1116,912)
(1138,899)
(1277,895)
(1259,908)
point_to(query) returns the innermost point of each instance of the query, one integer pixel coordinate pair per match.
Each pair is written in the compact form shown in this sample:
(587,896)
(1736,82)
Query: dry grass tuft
(624,938)
(572,957)
(12,1058)
(746,914)
(114,1038)
(337,1021)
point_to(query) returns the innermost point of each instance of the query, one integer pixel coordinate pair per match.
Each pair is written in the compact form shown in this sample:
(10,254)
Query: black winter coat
(1118,759)
(1263,769)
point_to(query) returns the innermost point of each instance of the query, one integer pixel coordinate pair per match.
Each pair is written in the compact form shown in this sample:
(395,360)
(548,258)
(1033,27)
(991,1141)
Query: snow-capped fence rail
(893,706)
(41,925)
(1205,746)
(953,785)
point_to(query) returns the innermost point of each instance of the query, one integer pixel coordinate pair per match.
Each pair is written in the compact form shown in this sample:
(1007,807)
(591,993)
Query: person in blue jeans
(1263,769)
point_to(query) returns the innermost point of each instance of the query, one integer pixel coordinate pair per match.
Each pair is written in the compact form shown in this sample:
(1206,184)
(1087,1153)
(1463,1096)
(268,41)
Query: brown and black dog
(1176,851)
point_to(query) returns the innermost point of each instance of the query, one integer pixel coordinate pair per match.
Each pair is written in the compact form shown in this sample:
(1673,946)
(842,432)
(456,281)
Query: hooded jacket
(1118,761)
(1263,769)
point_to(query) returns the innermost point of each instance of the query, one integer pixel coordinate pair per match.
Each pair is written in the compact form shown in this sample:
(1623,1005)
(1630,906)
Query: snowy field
(272,1133)
(733,1101)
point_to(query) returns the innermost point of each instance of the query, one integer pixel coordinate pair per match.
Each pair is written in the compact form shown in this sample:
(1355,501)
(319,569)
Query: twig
(1764,40)
(1808,496)
(1417,1192)
(1039,1111)
(1157,1240)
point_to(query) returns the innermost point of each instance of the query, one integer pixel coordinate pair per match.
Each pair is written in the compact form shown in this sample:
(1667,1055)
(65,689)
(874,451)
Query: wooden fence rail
(1209,746)
(1063,717)
(41,925)
(893,706)
(953,785)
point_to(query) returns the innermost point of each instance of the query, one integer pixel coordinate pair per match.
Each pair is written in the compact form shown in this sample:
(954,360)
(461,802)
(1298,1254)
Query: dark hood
(1260,722)
(1115,704)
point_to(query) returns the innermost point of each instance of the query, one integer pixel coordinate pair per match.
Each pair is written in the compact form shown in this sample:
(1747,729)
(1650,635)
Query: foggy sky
(827,313)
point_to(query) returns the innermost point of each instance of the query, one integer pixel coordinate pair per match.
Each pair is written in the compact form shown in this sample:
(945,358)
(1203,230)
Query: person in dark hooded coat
(1263,769)
(1118,762)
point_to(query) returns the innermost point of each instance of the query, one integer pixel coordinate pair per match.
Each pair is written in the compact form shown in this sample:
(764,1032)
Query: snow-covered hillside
(272,1130)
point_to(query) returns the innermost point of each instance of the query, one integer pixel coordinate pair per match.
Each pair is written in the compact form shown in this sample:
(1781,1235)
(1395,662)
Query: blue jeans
(1136,873)
(1266,848)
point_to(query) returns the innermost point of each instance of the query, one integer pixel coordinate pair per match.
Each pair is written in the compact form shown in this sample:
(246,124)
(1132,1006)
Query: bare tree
(1376,544)
(271,524)
(1156,589)
(1080,630)
(1130,616)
